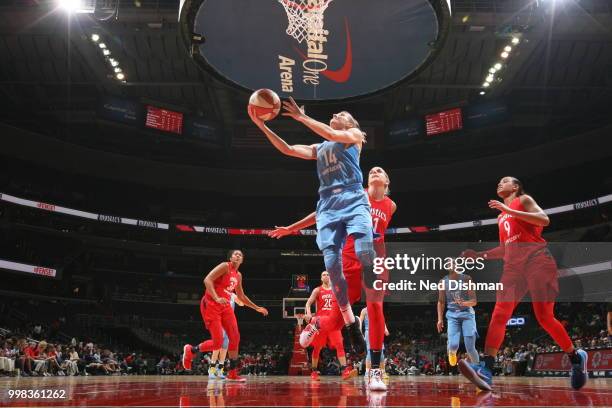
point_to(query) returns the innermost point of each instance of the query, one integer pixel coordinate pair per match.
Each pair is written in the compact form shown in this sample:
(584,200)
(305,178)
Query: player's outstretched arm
(305,222)
(245,299)
(349,136)
(306,152)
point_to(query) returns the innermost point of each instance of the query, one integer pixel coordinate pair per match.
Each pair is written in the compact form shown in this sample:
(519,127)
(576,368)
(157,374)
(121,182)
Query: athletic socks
(574,357)
(375,358)
(489,362)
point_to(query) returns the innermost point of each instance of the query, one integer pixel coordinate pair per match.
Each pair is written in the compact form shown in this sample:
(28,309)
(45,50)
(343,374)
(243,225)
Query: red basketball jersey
(520,238)
(512,229)
(325,301)
(225,285)
(381,211)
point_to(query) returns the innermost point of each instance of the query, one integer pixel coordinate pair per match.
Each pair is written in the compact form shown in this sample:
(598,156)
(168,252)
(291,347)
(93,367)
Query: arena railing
(594,202)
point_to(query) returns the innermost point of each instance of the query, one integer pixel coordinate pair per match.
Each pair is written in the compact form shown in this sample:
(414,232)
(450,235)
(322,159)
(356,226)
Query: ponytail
(518,183)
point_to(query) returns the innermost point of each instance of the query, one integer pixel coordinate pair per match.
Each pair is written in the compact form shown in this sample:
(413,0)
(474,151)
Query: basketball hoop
(305,17)
(300,319)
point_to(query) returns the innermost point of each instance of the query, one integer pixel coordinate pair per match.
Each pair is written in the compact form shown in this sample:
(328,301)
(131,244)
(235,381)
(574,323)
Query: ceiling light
(95,37)
(117,70)
(492,70)
(508,48)
(120,76)
(515,40)
(113,62)
(504,54)
(497,66)
(490,78)
(102,45)
(482,92)
(486,84)
(70,6)
(106,52)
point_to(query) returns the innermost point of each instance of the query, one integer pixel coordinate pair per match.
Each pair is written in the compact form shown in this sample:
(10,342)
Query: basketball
(266,104)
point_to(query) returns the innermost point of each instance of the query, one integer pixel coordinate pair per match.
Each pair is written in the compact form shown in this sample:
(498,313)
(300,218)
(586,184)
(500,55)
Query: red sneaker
(187,357)
(233,376)
(349,372)
(314,375)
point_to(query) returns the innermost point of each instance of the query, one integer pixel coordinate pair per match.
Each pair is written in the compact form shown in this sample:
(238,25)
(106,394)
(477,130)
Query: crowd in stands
(27,353)
(37,349)
(23,355)
(418,353)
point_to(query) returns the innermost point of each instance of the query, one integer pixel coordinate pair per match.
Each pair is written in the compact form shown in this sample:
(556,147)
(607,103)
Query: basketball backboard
(349,48)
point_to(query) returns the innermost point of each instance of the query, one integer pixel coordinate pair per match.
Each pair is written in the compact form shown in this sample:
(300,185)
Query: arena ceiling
(50,68)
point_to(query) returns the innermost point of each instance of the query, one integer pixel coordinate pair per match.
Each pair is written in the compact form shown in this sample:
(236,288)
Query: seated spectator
(93,363)
(71,363)
(7,358)
(53,364)
(413,370)
(23,361)
(128,363)
(39,355)
(164,366)
(109,361)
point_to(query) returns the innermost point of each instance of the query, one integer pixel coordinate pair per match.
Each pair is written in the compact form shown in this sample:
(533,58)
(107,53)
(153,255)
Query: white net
(300,319)
(305,17)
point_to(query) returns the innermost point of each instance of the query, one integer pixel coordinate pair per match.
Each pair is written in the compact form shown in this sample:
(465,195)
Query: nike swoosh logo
(344,73)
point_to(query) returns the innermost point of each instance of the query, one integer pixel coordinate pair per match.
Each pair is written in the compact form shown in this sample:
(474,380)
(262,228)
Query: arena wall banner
(48,207)
(120,110)
(32,269)
(405,131)
(557,363)
(209,229)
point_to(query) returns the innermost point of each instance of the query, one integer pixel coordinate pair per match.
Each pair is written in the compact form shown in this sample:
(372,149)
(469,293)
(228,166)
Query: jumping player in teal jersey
(343,207)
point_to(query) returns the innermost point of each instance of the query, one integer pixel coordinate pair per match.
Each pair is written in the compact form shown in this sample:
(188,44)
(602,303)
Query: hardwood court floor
(192,391)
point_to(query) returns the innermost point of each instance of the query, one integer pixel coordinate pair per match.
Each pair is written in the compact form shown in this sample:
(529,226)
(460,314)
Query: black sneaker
(579,373)
(356,338)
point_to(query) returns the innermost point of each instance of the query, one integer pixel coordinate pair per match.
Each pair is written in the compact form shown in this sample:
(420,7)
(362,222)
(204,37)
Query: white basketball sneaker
(375,380)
